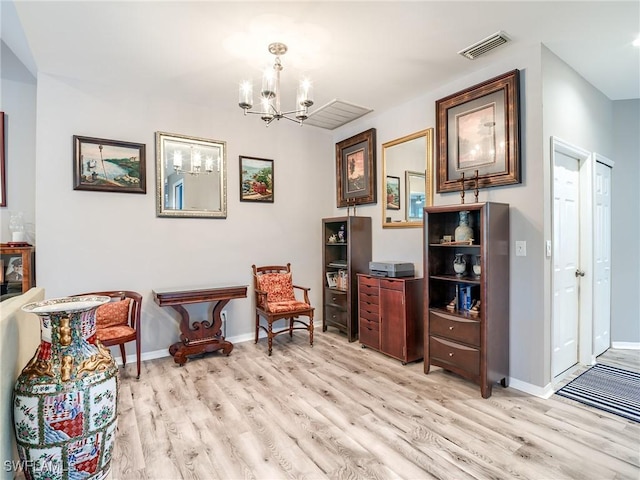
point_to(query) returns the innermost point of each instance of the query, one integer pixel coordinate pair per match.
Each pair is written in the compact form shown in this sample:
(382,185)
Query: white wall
(91,241)
(625,223)
(525,199)
(18,102)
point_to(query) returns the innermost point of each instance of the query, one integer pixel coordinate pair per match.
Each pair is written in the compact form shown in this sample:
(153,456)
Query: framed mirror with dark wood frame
(409,159)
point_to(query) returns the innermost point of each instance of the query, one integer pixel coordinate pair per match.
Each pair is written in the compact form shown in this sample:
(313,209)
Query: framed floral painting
(478,133)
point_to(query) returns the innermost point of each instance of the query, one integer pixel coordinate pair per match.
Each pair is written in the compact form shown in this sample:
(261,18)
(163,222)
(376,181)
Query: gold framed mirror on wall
(407,179)
(191,176)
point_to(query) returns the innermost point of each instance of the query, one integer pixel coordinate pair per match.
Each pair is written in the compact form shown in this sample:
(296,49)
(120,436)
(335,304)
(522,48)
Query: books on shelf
(338,264)
(466,296)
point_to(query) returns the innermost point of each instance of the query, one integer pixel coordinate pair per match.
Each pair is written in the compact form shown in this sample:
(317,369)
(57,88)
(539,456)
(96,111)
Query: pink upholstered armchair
(276,300)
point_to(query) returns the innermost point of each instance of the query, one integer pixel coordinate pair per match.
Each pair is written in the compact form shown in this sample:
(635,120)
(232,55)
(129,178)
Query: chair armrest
(261,298)
(306,293)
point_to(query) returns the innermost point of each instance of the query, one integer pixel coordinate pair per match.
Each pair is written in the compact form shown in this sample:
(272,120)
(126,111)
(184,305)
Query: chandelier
(270,94)
(195,168)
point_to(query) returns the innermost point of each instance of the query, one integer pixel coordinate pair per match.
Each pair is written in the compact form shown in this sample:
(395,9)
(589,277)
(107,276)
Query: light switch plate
(521,248)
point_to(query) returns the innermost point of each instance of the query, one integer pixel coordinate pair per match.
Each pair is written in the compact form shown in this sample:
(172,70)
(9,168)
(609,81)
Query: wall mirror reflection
(191,176)
(409,158)
(415,195)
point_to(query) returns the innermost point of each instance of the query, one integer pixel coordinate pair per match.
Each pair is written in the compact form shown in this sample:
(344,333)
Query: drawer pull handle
(451,328)
(451,354)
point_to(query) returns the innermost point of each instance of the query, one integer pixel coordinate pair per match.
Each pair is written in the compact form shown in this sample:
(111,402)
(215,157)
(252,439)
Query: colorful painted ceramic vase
(65,399)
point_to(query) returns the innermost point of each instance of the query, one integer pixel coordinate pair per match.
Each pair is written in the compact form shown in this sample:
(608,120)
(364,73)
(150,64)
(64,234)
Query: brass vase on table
(65,399)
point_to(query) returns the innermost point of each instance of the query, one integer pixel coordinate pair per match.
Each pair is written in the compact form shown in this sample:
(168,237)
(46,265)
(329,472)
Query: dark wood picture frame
(126,161)
(479,129)
(256,179)
(392,192)
(3,181)
(356,169)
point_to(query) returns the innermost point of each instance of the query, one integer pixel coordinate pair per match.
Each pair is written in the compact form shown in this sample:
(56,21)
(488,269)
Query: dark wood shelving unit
(472,345)
(351,256)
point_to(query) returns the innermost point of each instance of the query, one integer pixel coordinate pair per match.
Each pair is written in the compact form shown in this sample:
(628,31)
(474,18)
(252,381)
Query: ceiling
(373,54)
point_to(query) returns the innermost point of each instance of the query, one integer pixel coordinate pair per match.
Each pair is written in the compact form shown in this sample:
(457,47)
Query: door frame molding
(585,314)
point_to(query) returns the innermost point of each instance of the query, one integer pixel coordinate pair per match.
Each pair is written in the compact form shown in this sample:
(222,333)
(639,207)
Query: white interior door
(602,257)
(566,261)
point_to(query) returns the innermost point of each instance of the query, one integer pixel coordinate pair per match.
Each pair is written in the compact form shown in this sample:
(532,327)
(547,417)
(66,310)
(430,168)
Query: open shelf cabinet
(473,343)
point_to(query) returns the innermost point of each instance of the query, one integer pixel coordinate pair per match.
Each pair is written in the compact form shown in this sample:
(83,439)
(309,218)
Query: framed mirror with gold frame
(410,159)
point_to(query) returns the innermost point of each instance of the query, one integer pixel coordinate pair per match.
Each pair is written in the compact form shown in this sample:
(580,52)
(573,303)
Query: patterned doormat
(608,388)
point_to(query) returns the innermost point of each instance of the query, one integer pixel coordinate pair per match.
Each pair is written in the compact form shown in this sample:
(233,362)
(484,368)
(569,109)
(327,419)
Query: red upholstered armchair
(118,322)
(275,300)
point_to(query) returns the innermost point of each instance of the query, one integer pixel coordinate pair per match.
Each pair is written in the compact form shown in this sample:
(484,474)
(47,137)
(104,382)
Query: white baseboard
(626,345)
(542,392)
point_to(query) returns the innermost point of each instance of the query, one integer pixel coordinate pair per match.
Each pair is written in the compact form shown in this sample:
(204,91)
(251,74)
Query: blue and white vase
(65,399)
(463,231)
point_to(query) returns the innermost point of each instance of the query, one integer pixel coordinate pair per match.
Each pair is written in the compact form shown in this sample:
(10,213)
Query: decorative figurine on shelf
(475,309)
(452,305)
(333,238)
(462,189)
(342,235)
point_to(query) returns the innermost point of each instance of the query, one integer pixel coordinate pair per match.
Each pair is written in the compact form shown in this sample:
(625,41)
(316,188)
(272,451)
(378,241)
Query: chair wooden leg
(123,354)
(257,327)
(138,358)
(311,330)
(291,327)
(270,337)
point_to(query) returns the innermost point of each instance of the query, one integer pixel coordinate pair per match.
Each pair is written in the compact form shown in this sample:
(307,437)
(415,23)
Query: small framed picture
(332,279)
(256,180)
(109,165)
(14,272)
(393,193)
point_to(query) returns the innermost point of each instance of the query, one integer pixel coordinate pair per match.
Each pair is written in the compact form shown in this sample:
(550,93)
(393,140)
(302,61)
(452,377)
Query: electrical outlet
(548,248)
(521,248)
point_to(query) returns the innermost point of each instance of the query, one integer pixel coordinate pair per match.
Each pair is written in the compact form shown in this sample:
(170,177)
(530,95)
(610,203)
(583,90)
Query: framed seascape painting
(109,165)
(256,180)
(479,134)
(356,169)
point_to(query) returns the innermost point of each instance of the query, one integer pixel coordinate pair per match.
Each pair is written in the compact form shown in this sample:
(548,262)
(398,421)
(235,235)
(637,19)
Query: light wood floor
(338,411)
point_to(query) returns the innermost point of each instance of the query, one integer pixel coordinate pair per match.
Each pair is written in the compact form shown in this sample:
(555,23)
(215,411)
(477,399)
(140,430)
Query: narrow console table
(199,337)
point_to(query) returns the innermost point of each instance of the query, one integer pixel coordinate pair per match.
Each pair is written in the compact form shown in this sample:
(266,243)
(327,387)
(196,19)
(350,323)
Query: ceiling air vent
(485,45)
(335,114)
